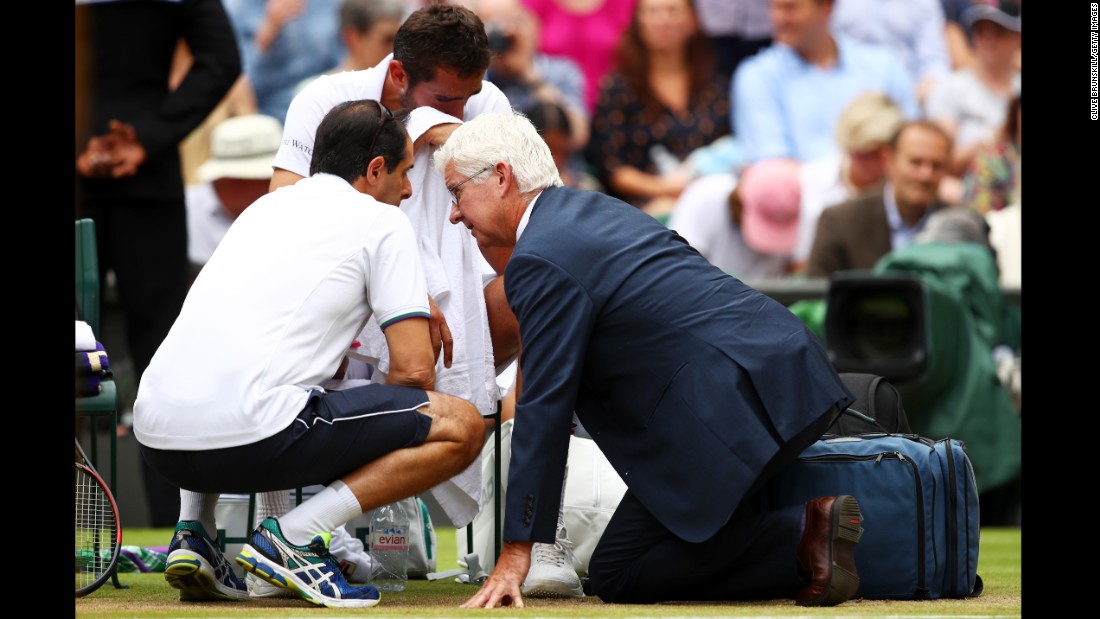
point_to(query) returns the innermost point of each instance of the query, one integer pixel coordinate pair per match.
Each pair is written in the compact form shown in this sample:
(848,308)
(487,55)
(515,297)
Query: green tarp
(959,394)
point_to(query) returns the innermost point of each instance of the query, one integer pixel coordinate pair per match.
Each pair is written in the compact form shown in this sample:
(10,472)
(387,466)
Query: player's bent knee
(473,430)
(458,421)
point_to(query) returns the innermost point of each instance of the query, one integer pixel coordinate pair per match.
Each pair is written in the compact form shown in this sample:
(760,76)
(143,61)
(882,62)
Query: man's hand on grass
(501,588)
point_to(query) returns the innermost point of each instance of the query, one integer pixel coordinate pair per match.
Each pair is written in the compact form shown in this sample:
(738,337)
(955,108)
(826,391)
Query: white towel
(456,274)
(85,339)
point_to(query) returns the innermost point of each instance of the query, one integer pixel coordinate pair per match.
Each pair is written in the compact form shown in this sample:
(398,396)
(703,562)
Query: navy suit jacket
(688,380)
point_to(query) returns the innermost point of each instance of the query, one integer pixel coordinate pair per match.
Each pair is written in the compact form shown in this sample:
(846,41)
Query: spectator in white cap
(242,149)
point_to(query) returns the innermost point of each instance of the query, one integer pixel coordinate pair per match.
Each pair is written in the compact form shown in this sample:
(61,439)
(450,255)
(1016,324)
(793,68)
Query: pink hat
(770,194)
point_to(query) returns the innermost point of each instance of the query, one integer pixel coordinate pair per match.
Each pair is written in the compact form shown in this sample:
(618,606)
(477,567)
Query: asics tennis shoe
(310,571)
(197,568)
(260,588)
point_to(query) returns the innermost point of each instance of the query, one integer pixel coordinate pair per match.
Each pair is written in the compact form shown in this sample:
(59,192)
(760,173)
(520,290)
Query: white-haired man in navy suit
(695,386)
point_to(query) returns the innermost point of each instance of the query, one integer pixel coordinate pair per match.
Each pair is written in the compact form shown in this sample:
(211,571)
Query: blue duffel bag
(919,504)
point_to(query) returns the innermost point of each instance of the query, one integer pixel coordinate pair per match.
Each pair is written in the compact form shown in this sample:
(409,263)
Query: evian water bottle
(389,547)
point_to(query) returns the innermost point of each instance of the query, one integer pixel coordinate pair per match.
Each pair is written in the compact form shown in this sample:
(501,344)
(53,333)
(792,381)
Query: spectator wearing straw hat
(863,134)
(242,149)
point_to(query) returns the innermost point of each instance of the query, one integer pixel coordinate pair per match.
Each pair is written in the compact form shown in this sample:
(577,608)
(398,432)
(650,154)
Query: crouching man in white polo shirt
(233,399)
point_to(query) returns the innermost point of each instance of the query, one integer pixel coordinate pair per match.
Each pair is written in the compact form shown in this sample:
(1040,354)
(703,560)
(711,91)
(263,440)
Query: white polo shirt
(272,313)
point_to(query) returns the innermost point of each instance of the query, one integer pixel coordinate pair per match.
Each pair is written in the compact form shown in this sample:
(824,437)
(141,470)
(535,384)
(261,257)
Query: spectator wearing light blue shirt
(913,29)
(786,99)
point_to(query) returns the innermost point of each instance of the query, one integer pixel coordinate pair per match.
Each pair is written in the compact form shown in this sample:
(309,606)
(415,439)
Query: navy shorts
(336,433)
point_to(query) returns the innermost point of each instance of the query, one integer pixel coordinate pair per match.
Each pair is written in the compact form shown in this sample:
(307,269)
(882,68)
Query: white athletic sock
(200,506)
(325,511)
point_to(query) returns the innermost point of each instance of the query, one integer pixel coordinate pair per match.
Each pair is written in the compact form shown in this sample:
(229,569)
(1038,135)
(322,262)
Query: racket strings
(96,528)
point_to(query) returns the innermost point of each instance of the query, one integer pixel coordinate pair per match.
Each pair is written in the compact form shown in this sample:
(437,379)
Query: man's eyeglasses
(386,115)
(454,196)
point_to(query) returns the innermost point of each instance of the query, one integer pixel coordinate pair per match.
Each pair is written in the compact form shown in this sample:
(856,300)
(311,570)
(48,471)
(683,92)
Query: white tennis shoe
(552,573)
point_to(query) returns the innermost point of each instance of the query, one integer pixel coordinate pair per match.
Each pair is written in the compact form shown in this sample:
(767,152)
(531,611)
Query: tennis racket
(98,531)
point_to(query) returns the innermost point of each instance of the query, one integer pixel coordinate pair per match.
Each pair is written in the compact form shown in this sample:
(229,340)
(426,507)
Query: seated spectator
(553,124)
(970,103)
(367,28)
(786,99)
(957,33)
(526,75)
(992,180)
(587,31)
(863,133)
(747,227)
(912,29)
(662,102)
(242,149)
(857,233)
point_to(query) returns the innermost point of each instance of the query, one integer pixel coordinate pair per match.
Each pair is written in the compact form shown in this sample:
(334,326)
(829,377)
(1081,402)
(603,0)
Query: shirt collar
(842,47)
(523,221)
(794,57)
(893,216)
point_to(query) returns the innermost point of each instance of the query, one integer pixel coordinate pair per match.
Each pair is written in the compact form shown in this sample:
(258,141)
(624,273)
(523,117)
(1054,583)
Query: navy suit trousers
(752,557)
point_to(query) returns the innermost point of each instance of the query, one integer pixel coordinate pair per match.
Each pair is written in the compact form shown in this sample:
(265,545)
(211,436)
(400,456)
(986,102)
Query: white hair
(500,136)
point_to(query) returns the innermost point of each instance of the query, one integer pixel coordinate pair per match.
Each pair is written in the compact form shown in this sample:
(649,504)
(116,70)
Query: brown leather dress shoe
(826,552)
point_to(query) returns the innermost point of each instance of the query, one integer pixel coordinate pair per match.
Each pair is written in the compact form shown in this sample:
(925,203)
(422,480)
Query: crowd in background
(739,123)
(642,99)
